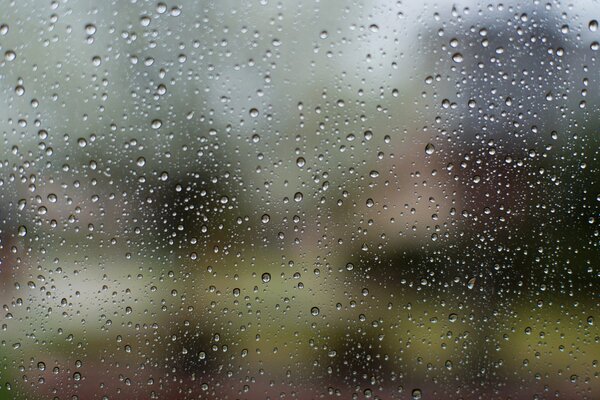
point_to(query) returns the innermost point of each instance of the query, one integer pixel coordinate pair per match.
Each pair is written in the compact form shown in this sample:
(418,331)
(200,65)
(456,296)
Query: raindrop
(429,149)
(416,394)
(471,283)
(90,29)
(10,55)
(457,58)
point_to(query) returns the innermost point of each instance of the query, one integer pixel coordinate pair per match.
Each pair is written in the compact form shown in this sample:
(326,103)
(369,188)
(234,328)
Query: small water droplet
(90,29)
(10,55)
(471,283)
(416,394)
(457,58)
(429,149)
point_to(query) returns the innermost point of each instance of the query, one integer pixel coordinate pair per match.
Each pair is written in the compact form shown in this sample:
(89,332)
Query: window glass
(276,199)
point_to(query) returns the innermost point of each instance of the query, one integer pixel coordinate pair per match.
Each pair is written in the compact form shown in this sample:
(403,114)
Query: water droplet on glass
(90,29)
(10,55)
(471,283)
(429,149)
(416,394)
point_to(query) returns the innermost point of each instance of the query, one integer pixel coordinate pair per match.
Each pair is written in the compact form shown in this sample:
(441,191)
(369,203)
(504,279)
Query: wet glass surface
(299,200)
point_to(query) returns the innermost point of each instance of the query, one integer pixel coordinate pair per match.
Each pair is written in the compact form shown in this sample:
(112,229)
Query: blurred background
(299,199)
